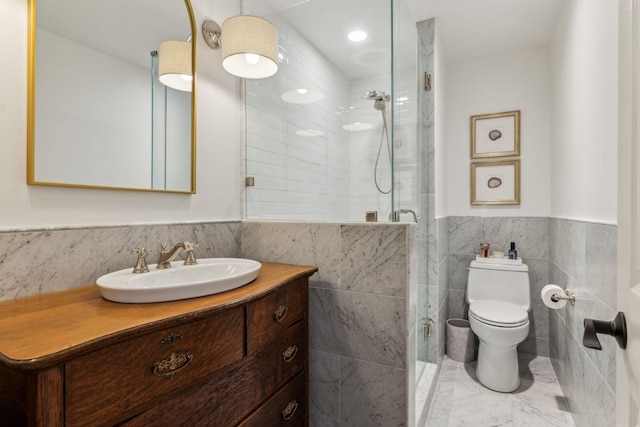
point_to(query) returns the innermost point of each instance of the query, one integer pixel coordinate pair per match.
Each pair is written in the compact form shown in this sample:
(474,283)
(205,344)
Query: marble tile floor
(460,399)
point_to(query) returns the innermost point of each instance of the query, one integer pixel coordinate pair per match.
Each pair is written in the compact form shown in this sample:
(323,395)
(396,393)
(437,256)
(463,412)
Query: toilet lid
(499,313)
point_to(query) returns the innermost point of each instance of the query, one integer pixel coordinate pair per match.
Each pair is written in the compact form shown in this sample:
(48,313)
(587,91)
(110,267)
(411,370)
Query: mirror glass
(98,116)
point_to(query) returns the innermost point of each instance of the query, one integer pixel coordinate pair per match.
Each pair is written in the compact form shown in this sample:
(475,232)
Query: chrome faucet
(398,212)
(167,257)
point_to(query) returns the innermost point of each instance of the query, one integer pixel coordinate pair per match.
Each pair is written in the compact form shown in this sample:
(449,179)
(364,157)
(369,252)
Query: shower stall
(314,130)
(334,135)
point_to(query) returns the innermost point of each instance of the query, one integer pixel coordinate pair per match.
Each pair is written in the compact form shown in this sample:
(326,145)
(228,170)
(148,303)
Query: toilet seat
(498,313)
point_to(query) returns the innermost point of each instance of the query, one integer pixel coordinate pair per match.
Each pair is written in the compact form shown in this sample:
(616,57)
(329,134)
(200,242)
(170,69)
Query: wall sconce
(250,46)
(174,65)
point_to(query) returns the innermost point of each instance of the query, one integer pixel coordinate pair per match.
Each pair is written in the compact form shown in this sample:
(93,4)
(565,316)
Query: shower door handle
(427,81)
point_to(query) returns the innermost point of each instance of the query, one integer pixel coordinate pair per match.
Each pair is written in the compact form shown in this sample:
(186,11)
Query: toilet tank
(499,282)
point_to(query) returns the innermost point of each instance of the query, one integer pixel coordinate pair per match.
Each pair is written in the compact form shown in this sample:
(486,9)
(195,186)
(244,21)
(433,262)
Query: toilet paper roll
(548,291)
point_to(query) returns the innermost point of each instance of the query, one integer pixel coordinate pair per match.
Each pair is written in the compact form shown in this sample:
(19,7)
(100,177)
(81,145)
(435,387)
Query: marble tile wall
(531,235)
(364,298)
(361,313)
(432,302)
(583,258)
(38,261)
(442,257)
(427,228)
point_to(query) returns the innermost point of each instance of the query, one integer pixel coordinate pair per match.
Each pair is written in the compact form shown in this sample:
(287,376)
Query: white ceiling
(480,27)
(326,23)
(465,27)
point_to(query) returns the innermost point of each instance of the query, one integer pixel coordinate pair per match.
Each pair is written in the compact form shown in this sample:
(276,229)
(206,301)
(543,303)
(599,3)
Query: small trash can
(461,341)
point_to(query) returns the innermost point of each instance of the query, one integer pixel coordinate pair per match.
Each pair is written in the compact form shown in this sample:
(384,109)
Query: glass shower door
(405,113)
(316,146)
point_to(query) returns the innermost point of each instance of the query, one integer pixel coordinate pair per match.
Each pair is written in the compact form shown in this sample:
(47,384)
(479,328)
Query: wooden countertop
(41,330)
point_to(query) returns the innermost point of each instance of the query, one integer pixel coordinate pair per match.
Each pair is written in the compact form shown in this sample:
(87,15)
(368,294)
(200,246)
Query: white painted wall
(219,144)
(517,80)
(584,58)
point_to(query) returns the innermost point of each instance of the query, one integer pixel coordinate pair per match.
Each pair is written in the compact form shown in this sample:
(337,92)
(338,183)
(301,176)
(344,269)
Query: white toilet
(499,301)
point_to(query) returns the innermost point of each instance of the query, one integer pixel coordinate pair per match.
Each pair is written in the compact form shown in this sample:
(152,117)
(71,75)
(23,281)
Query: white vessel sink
(209,276)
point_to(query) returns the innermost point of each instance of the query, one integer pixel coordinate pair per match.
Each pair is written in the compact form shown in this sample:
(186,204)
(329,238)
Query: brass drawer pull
(290,353)
(287,413)
(280,313)
(172,364)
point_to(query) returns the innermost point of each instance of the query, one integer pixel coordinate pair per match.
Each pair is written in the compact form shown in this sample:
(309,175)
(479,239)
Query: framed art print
(495,135)
(495,183)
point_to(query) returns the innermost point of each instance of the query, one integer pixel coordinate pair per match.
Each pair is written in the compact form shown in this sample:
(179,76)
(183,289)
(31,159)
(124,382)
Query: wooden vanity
(236,358)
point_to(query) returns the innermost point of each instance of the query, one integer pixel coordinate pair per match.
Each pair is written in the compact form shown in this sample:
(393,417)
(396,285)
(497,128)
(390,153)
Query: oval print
(495,135)
(494,182)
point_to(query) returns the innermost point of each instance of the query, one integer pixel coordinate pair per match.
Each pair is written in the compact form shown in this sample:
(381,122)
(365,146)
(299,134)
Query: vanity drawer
(120,377)
(272,314)
(226,399)
(285,408)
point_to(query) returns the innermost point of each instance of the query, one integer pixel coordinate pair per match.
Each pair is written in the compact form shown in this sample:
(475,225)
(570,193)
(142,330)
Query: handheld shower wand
(380,100)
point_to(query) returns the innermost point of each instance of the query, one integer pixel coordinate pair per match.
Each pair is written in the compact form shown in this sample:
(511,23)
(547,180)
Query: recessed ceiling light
(357,36)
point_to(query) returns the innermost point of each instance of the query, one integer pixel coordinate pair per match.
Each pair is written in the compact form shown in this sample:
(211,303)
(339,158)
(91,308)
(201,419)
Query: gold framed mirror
(98,114)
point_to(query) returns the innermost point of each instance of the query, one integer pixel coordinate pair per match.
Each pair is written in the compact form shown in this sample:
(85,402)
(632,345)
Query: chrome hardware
(290,353)
(567,296)
(398,212)
(427,81)
(249,181)
(617,328)
(141,262)
(280,313)
(172,338)
(371,216)
(173,364)
(212,34)
(426,331)
(287,413)
(167,257)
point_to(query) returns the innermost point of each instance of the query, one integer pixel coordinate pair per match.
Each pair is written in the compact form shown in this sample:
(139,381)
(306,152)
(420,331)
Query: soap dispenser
(513,253)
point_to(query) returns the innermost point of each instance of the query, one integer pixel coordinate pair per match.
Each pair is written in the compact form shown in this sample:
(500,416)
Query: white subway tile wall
(305,165)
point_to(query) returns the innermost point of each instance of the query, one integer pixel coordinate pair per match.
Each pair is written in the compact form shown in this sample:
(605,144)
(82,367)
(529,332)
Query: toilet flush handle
(617,328)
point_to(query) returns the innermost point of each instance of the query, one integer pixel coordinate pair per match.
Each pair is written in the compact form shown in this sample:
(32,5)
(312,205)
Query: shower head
(370,95)
(380,99)
(375,96)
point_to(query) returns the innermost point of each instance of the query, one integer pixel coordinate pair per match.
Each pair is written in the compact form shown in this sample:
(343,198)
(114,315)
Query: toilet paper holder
(567,296)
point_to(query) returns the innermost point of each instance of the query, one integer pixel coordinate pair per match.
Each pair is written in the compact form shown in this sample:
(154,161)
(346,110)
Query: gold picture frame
(495,135)
(495,183)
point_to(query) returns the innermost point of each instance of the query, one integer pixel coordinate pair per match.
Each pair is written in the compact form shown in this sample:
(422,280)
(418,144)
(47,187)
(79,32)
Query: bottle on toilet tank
(513,253)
